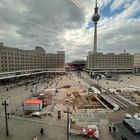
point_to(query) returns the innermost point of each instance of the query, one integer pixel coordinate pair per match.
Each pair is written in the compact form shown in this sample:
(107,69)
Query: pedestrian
(109,127)
(41,131)
(114,129)
(8,115)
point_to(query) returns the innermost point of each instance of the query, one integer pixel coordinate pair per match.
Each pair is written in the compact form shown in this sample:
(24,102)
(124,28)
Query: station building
(79,64)
(99,62)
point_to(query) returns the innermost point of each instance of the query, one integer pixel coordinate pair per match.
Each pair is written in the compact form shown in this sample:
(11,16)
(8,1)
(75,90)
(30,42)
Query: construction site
(76,98)
(59,96)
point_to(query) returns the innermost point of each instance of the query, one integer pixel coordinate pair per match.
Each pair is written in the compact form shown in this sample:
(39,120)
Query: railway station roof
(27,74)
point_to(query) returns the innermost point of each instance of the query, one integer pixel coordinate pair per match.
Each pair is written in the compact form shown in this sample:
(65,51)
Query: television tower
(95,19)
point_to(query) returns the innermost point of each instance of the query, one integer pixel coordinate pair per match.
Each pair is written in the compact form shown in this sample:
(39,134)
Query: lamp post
(68,118)
(5,102)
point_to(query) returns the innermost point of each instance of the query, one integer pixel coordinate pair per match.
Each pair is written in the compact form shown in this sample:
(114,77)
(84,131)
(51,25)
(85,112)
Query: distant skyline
(63,25)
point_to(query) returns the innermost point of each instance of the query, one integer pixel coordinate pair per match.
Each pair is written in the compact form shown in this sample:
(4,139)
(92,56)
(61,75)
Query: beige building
(99,62)
(137,62)
(14,59)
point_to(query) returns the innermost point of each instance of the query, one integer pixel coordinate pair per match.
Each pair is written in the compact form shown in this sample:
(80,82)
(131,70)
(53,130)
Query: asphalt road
(24,129)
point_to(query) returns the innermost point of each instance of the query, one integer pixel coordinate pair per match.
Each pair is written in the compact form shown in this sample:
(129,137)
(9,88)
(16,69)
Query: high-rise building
(14,59)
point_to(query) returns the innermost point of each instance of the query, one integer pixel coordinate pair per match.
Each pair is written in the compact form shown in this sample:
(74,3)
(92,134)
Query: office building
(137,62)
(14,59)
(99,62)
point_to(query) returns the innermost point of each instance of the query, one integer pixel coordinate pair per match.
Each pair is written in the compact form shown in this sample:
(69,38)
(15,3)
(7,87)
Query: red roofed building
(32,105)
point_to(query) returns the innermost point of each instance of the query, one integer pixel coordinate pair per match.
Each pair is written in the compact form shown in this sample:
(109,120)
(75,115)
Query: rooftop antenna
(96,3)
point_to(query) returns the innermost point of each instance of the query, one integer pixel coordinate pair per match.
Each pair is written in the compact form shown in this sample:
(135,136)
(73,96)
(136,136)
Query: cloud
(121,35)
(116,4)
(61,25)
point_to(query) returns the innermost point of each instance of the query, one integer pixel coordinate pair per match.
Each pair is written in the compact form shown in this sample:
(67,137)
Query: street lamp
(5,102)
(68,118)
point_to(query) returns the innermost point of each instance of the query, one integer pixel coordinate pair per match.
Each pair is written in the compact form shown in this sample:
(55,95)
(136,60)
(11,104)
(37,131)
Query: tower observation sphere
(95,17)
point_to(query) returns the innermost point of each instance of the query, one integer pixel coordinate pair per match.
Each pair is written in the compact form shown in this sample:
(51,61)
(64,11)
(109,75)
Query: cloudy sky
(62,25)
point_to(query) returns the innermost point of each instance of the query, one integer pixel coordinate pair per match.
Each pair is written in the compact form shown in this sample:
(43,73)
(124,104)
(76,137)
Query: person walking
(114,129)
(8,115)
(41,131)
(109,127)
